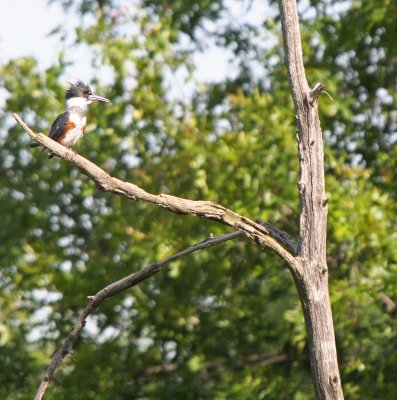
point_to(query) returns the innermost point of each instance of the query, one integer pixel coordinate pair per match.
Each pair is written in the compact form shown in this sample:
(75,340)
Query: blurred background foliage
(223,323)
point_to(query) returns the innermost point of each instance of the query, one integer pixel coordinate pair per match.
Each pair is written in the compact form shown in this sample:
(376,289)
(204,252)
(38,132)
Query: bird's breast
(74,130)
(78,120)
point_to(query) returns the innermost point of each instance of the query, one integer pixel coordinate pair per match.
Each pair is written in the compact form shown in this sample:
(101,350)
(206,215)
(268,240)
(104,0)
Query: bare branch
(199,208)
(113,289)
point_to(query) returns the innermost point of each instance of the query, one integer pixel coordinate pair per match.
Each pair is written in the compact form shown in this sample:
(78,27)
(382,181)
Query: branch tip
(325,92)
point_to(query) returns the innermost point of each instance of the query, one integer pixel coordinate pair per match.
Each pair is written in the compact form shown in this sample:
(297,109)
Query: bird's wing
(58,126)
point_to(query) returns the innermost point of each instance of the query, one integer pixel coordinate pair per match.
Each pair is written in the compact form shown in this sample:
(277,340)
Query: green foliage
(205,326)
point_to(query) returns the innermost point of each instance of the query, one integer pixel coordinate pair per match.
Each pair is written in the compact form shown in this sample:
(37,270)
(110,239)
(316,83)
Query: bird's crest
(78,89)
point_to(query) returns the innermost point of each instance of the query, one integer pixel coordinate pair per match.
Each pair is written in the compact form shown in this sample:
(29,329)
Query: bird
(69,126)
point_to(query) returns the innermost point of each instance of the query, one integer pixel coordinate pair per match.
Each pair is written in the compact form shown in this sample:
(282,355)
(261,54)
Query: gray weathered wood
(312,283)
(110,291)
(306,258)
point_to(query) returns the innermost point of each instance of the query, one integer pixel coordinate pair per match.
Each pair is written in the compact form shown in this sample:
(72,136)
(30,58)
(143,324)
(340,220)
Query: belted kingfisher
(69,127)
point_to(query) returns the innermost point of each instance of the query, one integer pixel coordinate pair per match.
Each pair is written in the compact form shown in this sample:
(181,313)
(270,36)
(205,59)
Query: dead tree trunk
(306,259)
(312,281)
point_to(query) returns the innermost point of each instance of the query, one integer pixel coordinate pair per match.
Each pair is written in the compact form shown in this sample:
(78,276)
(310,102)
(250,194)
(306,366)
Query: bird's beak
(94,97)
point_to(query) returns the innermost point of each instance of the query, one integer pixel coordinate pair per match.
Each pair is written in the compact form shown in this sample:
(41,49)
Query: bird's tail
(35,144)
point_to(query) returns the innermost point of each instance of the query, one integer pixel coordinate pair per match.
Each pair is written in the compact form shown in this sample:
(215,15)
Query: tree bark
(306,258)
(312,282)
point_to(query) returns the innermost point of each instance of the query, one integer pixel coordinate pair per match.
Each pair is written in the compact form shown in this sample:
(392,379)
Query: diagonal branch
(199,208)
(110,291)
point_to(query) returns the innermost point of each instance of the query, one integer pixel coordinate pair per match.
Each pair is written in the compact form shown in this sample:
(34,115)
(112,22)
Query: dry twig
(110,291)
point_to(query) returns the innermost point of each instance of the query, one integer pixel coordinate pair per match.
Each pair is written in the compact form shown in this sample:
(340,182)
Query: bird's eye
(90,93)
